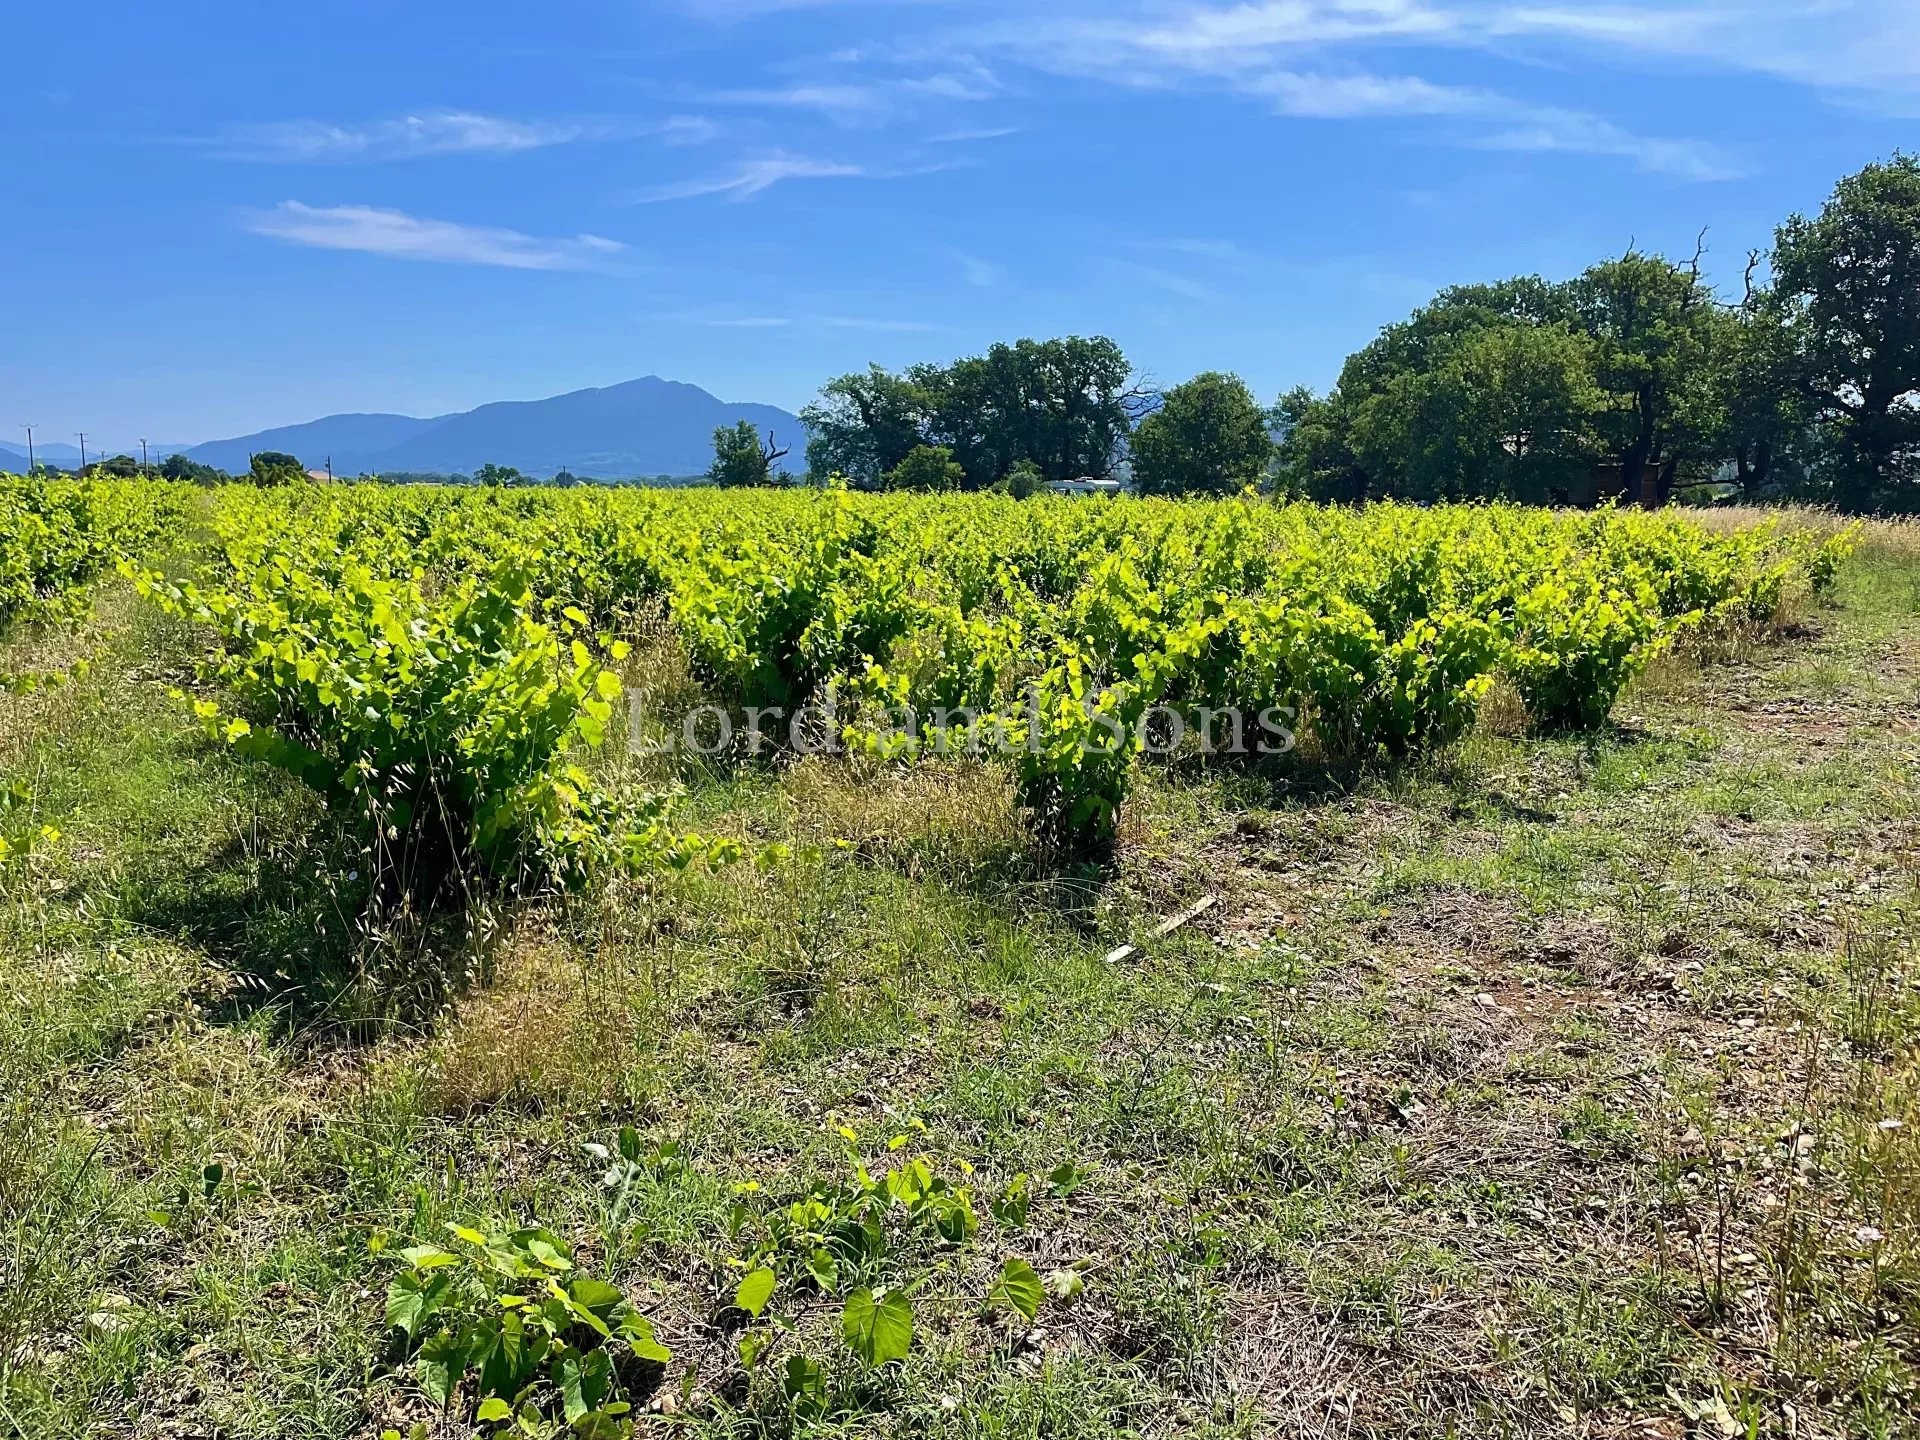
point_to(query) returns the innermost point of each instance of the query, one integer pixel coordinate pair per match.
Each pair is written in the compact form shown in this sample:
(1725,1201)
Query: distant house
(1085,485)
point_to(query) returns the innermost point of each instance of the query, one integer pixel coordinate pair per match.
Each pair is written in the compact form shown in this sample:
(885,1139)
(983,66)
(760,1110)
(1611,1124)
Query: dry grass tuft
(548,1032)
(1503,712)
(1895,538)
(952,819)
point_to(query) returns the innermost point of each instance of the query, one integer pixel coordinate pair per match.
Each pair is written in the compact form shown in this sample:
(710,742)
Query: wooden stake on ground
(1165,928)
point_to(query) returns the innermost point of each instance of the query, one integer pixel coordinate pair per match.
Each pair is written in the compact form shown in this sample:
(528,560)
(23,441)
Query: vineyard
(604,962)
(432,657)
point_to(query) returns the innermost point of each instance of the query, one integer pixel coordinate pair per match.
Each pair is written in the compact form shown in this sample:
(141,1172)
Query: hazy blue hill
(14,455)
(344,437)
(642,427)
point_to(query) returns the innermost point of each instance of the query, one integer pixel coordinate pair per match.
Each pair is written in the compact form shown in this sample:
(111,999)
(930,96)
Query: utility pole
(29,430)
(143,457)
(83,448)
(329,469)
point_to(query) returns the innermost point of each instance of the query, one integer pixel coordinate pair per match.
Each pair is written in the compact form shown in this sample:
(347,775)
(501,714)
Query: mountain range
(649,426)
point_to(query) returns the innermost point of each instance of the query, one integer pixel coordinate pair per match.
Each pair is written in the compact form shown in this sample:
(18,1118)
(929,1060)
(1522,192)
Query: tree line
(268,467)
(1635,377)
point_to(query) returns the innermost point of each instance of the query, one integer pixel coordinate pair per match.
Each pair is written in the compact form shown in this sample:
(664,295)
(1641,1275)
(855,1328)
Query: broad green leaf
(825,1270)
(596,1295)
(412,1299)
(1018,1288)
(755,1289)
(443,1360)
(805,1385)
(638,1333)
(583,1380)
(428,1257)
(1066,1178)
(878,1329)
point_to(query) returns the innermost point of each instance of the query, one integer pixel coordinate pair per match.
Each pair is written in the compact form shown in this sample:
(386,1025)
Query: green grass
(1534,1089)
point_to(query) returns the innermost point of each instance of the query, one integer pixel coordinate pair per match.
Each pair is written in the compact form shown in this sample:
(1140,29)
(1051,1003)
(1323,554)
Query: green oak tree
(927,467)
(1209,437)
(739,458)
(179,467)
(1848,282)
(1652,324)
(863,425)
(275,467)
(1064,405)
(1505,409)
(1313,459)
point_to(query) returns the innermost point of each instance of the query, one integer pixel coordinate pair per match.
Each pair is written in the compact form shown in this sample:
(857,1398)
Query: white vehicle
(1085,485)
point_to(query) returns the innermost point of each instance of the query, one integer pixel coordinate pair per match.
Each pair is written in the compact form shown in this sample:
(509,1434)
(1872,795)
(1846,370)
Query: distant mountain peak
(646,426)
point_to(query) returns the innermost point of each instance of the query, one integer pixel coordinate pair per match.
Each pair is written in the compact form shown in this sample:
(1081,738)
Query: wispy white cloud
(402,236)
(869,101)
(1296,57)
(1848,48)
(687,130)
(826,322)
(844,102)
(751,176)
(962,137)
(982,274)
(1862,46)
(1543,129)
(1221,38)
(1351,96)
(737,322)
(1174,283)
(439,132)
(1316,57)
(889,327)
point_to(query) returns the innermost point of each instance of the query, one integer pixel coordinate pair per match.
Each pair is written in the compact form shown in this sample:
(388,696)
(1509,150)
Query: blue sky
(231,216)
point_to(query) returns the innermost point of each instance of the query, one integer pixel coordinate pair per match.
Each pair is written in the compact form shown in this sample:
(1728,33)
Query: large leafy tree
(1208,437)
(740,459)
(275,467)
(1848,281)
(1064,405)
(1421,341)
(863,425)
(1313,457)
(1652,324)
(179,467)
(1503,409)
(1488,390)
(927,467)
(1763,401)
